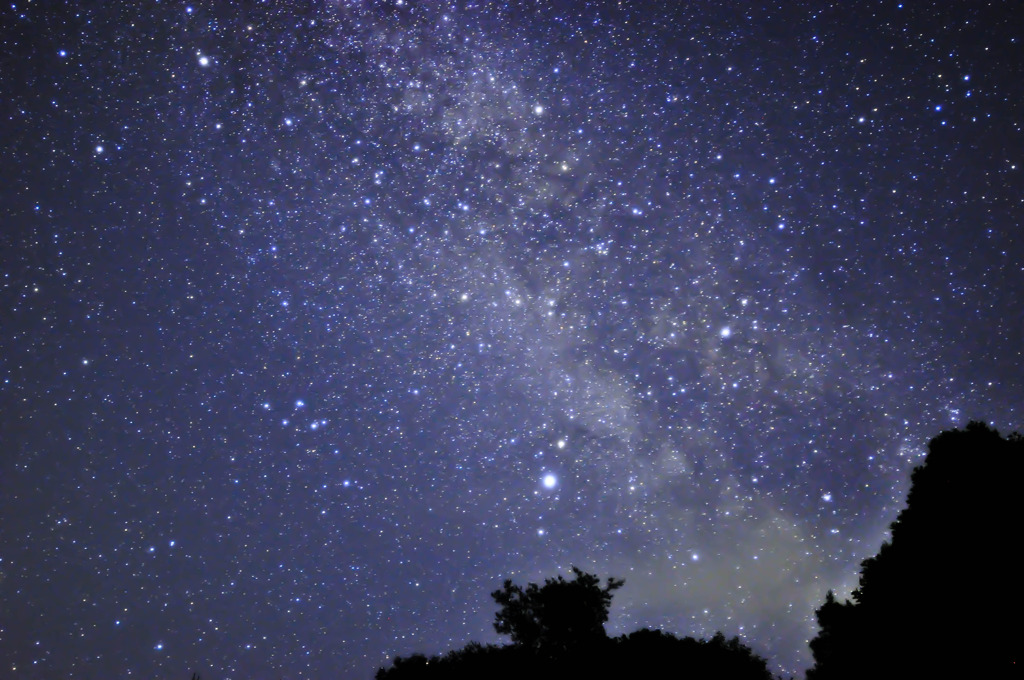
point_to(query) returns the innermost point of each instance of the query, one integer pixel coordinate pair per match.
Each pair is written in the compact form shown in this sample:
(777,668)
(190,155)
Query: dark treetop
(557,631)
(951,564)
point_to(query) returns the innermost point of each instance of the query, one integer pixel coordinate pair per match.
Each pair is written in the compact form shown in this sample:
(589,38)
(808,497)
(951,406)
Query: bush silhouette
(940,598)
(557,631)
(652,653)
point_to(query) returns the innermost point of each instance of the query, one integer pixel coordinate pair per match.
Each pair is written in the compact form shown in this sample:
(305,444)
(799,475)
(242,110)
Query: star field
(320,319)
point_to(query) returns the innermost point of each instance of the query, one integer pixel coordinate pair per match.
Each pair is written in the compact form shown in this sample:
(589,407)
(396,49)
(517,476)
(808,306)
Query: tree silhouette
(651,653)
(557,631)
(940,598)
(557,616)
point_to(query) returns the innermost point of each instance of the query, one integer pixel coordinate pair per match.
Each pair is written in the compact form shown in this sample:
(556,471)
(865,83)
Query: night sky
(320,319)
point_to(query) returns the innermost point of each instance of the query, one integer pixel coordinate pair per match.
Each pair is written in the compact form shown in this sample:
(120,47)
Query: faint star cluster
(320,319)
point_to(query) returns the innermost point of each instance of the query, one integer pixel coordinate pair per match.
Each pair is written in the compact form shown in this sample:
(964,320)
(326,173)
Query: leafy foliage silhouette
(556,616)
(948,573)
(557,631)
